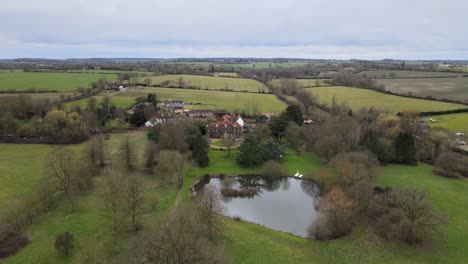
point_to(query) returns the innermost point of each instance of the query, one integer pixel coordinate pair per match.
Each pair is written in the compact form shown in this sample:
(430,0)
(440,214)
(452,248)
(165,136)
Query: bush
(336,216)
(273,169)
(451,164)
(64,242)
(26,131)
(403,214)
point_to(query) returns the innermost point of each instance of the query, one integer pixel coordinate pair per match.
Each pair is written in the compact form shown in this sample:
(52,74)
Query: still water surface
(287,204)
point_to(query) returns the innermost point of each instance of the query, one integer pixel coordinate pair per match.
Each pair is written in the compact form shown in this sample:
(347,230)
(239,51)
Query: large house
(230,127)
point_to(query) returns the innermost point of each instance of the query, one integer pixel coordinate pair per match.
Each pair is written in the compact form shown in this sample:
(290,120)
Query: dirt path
(180,186)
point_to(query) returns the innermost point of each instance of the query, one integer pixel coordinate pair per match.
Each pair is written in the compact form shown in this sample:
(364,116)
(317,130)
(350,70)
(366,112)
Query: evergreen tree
(405,149)
(200,151)
(272,150)
(278,127)
(294,113)
(249,152)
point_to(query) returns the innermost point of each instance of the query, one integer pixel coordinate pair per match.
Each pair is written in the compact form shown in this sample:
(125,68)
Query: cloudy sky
(335,29)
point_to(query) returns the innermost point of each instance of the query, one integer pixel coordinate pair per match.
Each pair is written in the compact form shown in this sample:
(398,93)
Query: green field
(454,122)
(86,224)
(442,88)
(357,98)
(20,170)
(50,96)
(199,99)
(62,82)
(213,82)
(304,82)
(384,74)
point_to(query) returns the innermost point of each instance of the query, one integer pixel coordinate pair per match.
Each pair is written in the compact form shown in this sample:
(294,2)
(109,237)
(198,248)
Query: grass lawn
(213,82)
(448,195)
(21,167)
(454,122)
(87,224)
(62,82)
(357,98)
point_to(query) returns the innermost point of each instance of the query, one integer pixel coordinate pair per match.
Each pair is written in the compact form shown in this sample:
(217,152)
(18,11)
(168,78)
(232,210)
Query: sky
(320,29)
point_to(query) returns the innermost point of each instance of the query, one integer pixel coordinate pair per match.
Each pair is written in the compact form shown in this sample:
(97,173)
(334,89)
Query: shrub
(64,242)
(273,169)
(336,216)
(403,214)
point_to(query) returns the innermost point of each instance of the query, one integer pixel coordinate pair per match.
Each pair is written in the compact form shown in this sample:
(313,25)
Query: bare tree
(134,199)
(182,240)
(228,143)
(60,165)
(127,153)
(151,150)
(169,165)
(114,209)
(209,206)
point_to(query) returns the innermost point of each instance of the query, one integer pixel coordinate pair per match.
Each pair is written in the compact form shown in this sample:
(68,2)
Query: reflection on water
(284,204)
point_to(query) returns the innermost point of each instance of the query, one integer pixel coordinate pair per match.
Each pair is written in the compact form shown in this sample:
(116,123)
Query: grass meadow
(453,122)
(213,82)
(443,88)
(198,99)
(86,224)
(61,82)
(357,98)
(383,74)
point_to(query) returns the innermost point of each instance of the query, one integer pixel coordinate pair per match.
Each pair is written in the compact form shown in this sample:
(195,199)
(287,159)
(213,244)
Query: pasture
(385,74)
(357,98)
(86,224)
(212,82)
(49,81)
(454,122)
(199,99)
(442,88)
(303,83)
(50,96)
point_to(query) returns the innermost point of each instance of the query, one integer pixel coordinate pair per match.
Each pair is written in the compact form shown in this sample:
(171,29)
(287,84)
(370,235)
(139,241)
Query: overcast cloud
(336,29)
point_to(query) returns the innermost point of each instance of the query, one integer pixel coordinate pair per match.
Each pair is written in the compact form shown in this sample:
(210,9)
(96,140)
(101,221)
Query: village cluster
(220,123)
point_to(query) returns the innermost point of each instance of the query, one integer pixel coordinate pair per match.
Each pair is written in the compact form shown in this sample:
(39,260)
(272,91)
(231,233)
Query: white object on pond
(300,176)
(297,174)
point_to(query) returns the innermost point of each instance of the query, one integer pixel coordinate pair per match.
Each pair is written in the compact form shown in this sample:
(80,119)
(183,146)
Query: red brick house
(228,127)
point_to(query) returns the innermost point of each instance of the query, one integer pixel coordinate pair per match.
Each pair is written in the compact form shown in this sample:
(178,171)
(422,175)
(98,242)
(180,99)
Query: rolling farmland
(357,98)
(49,81)
(450,88)
(213,83)
(199,99)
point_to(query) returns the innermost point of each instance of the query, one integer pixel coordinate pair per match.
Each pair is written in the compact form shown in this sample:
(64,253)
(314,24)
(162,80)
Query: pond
(285,204)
